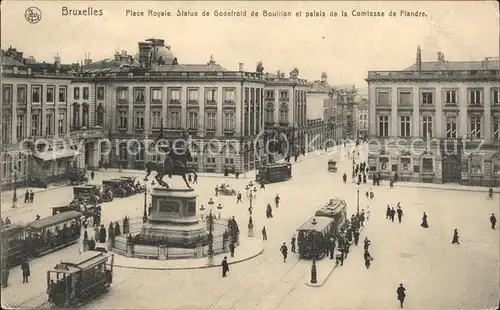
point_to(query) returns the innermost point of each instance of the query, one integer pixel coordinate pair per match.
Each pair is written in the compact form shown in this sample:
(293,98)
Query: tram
(12,246)
(71,283)
(314,236)
(274,173)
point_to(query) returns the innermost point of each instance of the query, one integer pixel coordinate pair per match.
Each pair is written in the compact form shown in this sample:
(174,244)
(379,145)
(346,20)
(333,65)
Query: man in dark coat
(493,221)
(401,291)
(400,213)
(25,267)
(231,249)
(356,237)
(102,234)
(26,197)
(284,251)
(455,237)
(225,267)
(367,244)
(368,258)
(393,214)
(344,177)
(293,243)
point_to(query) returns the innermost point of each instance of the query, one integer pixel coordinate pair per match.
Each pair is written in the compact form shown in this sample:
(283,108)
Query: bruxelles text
(261,147)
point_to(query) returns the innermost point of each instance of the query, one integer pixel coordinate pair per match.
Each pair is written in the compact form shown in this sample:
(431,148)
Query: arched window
(229,155)
(100,115)
(123,151)
(284,113)
(85,115)
(269,113)
(76,116)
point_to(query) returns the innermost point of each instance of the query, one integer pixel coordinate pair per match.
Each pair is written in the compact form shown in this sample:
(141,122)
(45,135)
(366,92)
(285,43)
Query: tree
(294,73)
(260,67)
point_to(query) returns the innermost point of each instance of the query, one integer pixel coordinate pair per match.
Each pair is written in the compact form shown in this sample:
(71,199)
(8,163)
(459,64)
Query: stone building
(436,121)
(362,117)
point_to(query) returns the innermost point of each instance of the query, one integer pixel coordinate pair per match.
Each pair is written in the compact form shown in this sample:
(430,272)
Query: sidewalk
(451,187)
(249,248)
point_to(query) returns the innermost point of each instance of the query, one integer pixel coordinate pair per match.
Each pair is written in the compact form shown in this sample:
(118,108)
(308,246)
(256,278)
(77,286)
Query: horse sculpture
(174,164)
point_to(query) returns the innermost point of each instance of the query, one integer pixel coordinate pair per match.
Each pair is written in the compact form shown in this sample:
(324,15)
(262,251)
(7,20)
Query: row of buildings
(436,121)
(55,116)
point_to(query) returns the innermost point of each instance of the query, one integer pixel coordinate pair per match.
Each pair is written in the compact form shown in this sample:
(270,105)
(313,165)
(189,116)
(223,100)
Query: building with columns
(39,139)
(438,121)
(285,104)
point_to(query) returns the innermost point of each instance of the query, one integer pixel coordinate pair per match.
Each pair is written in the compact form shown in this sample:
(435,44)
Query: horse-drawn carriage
(225,189)
(117,187)
(332,165)
(77,177)
(87,194)
(130,185)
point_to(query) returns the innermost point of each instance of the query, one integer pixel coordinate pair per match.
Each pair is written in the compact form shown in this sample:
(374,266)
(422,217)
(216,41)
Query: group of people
(390,213)
(29,196)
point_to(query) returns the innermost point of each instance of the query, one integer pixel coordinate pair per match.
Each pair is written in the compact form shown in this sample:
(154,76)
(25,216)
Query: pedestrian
(284,251)
(400,213)
(277,201)
(195,179)
(401,291)
(455,237)
(331,247)
(368,259)
(92,175)
(339,257)
(364,178)
(32,196)
(264,233)
(216,191)
(362,217)
(238,198)
(225,267)
(293,243)
(231,248)
(262,186)
(393,214)
(493,221)
(7,221)
(372,195)
(102,234)
(368,212)
(344,178)
(424,221)
(356,237)
(26,197)
(269,211)
(367,244)
(25,267)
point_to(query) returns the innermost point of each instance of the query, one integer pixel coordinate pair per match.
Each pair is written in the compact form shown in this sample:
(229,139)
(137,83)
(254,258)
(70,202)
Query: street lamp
(357,205)
(219,209)
(145,213)
(210,219)
(15,175)
(251,195)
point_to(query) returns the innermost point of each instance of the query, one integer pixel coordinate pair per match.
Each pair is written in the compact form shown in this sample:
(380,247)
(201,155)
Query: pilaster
(487,128)
(415,128)
(437,120)
(462,103)
(14,114)
(394,121)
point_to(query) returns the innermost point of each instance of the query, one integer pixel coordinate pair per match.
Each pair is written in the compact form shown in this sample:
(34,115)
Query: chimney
(57,61)
(240,65)
(419,59)
(278,73)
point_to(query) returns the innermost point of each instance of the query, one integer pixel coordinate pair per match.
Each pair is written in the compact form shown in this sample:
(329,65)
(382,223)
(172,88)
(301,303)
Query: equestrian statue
(175,163)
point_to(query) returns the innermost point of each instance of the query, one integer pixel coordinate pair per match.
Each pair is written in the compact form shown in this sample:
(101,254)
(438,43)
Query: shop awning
(53,155)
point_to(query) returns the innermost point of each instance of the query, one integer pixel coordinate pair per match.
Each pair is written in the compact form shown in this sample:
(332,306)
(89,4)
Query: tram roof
(84,261)
(55,219)
(321,224)
(332,207)
(8,228)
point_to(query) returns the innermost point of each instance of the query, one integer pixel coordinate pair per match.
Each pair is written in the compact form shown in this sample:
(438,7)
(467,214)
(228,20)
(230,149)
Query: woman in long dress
(424,221)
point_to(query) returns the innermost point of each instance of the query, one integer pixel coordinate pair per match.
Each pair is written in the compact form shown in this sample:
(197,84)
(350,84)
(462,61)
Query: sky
(344,47)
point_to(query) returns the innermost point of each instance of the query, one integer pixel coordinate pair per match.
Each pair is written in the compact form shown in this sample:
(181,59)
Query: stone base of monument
(173,219)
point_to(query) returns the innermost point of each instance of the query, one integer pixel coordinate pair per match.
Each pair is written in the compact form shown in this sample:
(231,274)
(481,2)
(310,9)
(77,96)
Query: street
(436,274)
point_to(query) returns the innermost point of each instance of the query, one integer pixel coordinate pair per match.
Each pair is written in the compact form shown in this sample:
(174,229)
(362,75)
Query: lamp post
(145,213)
(357,204)
(251,195)
(210,219)
(15,175)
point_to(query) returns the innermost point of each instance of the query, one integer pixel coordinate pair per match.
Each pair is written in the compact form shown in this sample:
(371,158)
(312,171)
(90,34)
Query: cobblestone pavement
(436,274)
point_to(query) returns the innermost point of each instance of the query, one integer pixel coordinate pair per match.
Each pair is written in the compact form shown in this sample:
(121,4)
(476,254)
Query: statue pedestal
(173,220)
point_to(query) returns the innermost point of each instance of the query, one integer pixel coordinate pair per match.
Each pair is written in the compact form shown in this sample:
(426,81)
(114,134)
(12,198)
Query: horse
(171,170)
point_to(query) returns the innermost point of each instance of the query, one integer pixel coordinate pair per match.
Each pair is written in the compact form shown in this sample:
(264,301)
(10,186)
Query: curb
(465,189)
(190,268)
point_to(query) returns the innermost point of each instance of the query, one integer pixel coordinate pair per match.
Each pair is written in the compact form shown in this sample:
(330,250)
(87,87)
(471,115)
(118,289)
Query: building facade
(286,111)
(39,138)
(362,115)
(437,121)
